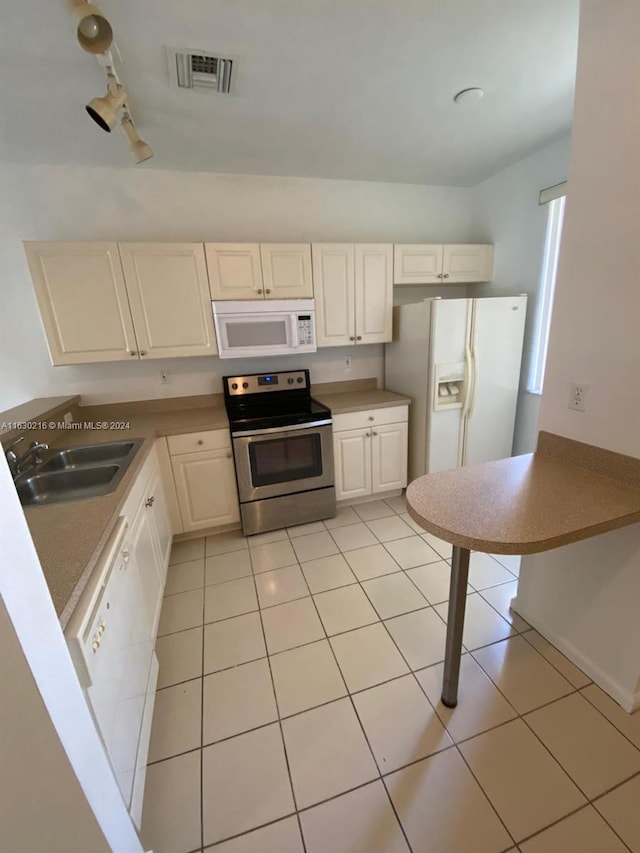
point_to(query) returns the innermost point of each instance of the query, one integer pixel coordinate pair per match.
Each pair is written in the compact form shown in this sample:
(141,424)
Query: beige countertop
(343,402)
(70,536)
(530,503)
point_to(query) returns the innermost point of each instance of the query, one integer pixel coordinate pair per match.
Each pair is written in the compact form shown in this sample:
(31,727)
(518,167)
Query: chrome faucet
(16,462)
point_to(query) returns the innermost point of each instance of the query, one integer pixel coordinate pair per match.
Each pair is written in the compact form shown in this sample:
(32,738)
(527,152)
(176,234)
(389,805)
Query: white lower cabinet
(205,479)
(370,452)
(111,635)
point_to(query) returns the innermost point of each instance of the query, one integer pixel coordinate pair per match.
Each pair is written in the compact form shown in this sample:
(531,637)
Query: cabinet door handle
(133,352)
(440,275)
(368,435)
(259,290)
(446,275)
(352,338)
(359,338)
(267,291)
(149,501)
(374,432)
(143,352)
(371,418)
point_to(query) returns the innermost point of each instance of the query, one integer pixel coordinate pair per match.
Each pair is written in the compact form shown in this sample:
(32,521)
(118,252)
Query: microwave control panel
(305,329)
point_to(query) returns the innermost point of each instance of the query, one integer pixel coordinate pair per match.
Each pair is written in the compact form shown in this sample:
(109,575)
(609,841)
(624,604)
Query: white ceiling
(354,89)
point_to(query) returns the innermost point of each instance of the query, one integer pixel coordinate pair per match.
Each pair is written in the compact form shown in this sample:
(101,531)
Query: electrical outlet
(578,397)
(347,363)
(165,377)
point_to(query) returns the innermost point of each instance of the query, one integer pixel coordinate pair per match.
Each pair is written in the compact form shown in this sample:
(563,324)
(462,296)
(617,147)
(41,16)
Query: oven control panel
(259,383)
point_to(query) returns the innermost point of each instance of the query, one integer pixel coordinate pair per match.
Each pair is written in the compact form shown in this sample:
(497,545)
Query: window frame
(546,293)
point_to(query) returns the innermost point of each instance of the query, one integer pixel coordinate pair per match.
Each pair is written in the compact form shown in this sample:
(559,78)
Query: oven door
(283,461)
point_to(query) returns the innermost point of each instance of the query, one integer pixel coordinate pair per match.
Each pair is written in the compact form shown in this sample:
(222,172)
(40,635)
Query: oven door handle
(290,428)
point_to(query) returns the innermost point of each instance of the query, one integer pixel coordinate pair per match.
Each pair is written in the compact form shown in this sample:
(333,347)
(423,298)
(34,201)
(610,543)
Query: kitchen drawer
(213,439)
(357,420)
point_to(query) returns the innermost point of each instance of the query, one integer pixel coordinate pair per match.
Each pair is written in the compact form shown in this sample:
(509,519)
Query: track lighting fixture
(95,35)
(93,31)
(139,148)
(104,111)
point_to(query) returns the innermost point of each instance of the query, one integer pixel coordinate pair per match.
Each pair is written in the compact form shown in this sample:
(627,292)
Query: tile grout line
(275,697)
(593,705)
(362,729)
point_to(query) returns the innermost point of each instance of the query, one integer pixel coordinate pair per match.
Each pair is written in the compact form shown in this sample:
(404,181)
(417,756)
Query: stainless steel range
(283,450)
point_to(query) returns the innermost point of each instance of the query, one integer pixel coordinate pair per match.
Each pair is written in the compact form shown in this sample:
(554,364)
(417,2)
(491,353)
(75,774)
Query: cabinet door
(352,461)
(144,555)
(286,270)
(206,487)
(389,457)
(418,263)
(83,301)
(235,271)
(467,263)
(161,522)
(335,293)
(374,293)
(169,296)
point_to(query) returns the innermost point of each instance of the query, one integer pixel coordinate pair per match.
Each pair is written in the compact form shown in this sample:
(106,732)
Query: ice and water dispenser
(449,386)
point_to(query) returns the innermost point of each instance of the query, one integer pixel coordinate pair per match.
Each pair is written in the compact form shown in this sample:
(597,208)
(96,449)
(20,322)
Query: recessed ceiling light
(467,95)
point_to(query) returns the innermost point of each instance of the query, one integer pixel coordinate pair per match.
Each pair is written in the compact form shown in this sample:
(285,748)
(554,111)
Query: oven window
(241,335)
(282,460)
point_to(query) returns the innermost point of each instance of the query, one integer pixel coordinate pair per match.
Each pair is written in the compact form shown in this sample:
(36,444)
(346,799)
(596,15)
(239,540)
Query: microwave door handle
(295,342)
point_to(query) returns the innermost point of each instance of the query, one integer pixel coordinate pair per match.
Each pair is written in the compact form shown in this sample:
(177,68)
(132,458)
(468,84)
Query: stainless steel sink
(90,454)
(76,473)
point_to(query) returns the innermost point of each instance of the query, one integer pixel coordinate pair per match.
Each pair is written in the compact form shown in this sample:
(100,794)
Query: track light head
(104,111)
(93,31)
(140,149)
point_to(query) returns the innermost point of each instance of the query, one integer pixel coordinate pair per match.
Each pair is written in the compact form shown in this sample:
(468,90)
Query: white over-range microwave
(264,327)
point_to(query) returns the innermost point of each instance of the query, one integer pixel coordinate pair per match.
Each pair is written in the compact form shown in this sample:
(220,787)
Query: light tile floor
(298,706)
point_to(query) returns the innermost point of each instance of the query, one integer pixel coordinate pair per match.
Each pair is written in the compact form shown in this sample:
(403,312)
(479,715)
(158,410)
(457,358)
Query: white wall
(587,595)
(77,203)
(506,212)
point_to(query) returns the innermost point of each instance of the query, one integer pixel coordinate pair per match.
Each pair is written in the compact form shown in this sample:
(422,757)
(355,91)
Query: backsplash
(112,382)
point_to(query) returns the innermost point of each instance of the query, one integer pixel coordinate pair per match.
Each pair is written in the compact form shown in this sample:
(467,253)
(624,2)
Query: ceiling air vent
(200,71)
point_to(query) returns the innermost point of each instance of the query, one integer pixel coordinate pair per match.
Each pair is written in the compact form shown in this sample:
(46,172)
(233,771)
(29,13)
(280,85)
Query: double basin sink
(77,472)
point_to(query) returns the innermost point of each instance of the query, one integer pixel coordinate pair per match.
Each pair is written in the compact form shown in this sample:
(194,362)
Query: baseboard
(628,701)
(207,531)
(380,496)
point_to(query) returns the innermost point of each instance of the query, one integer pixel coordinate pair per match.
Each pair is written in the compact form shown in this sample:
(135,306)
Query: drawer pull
(200,442)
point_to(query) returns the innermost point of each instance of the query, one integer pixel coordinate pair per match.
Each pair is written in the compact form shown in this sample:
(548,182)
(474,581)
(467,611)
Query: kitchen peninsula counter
(564,492)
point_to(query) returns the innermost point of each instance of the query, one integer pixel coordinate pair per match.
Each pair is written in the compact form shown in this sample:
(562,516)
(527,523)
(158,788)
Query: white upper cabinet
(83,301)
(259,270)
(467,263)
(113,302)
(286,270)
(417,264)
(453,263)
(374,293)
(235,270)
(169,297)
(353,287)
(335,293)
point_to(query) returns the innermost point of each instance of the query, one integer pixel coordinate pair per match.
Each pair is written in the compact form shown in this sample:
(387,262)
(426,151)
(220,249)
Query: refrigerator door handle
(474,366)
(469,385)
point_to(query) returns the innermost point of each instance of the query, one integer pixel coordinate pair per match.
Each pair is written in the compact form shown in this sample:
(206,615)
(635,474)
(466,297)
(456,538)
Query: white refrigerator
(459,361)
